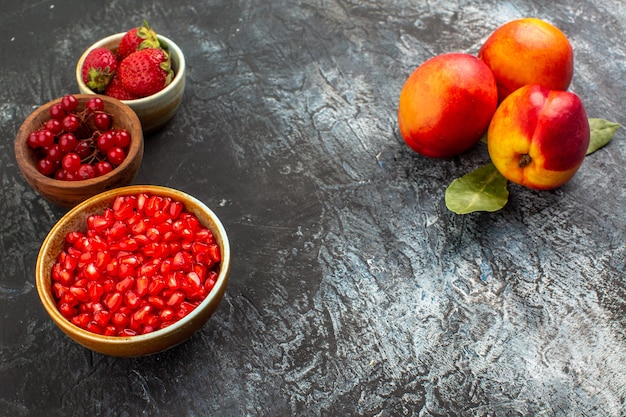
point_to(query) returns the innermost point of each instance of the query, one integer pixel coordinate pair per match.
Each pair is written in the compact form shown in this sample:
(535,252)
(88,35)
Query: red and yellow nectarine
(446,105)
(539,137)
(528,51)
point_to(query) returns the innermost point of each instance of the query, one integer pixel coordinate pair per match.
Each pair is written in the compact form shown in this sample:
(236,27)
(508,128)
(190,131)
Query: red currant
(32,140)
(83,148)
(70,123)
(53,152)
(122,138)
(71,162)
(102,121)
(45,138)
(95,104)
(106,141)
(102,168)
(54,126)
(86,171)
(116,155)
(57,112)
(46,167)
(69,103)
(67,142)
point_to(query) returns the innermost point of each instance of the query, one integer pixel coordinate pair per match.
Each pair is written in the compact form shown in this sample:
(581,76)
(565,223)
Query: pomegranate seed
(141,265)
(93,327)
(110,331)
(127,332)
(119,319)
(68,311)
(141,315)
(95,290)
(113,301)
(102,317)
(79,293)
(141,285)
(167,314)
(125,284)
(156,301)
(156,286)
(81,320)
(175,299)
(131,299)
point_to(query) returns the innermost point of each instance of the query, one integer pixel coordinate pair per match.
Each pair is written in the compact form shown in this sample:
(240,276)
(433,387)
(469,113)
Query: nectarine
(539,137)
(528,51)
(446,105)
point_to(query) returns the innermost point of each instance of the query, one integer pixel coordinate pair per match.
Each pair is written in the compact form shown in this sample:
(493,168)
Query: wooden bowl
(69,193)
(156,110)
(148,343)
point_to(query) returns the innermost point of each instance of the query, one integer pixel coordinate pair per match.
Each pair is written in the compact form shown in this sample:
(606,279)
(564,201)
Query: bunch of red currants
(78,144)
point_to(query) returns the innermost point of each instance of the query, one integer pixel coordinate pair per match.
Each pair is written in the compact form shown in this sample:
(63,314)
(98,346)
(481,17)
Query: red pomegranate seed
(68,311)
(102,317)
(127,332)
(141,285)
(79,293)
(124,284)
(176,299)
(156,286)
(156,301)
(113,301)
(119,319)
(131,299)
(110,331)
(93,327)
(81,320)
(141,265)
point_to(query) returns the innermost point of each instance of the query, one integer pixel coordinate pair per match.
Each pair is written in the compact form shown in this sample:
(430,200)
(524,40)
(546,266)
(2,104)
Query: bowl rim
(176,54)
(23,153)
(43,280)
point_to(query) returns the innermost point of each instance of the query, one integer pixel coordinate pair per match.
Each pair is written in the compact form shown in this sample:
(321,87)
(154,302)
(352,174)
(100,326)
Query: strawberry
(141,37)
(98,68)
(146,71)
(116,90)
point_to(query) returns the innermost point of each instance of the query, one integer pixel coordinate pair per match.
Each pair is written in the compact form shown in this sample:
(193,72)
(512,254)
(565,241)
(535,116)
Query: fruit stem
(525,160)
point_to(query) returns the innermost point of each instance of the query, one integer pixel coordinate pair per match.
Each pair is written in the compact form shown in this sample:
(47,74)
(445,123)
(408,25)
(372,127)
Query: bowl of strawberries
(139,67)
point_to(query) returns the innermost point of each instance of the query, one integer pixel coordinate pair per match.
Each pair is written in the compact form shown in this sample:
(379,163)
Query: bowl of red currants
(134,271)
(79,145)
(143,69)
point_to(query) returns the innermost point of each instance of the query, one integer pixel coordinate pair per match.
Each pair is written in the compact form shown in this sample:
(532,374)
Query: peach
(528,51)
(446,105)
(538,137)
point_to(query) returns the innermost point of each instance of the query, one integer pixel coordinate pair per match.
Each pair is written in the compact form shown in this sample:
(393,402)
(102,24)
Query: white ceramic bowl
(156,110)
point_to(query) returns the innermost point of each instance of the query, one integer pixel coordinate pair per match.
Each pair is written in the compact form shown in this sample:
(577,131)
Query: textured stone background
(354,291)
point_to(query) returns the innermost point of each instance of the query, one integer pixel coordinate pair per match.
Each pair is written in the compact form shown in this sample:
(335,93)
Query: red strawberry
(116,90)
(98,68)
(146,71)
(141,37)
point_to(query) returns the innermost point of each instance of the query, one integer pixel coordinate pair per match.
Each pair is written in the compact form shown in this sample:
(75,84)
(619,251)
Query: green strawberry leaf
(483,189)
(602,131)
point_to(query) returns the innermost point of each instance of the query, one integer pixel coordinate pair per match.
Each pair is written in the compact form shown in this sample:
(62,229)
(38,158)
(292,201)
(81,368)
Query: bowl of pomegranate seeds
(79,145)
(135,270)
(143,69)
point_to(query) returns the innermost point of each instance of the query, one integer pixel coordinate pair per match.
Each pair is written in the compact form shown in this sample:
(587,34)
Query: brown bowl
(138,345)
(154,111)
(69,193)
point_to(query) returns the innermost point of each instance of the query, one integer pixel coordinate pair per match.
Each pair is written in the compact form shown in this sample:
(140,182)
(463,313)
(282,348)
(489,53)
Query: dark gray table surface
(354,291)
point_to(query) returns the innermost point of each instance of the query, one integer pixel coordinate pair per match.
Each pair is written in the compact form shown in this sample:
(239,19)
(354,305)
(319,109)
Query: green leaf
(483,189)
(602,131)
